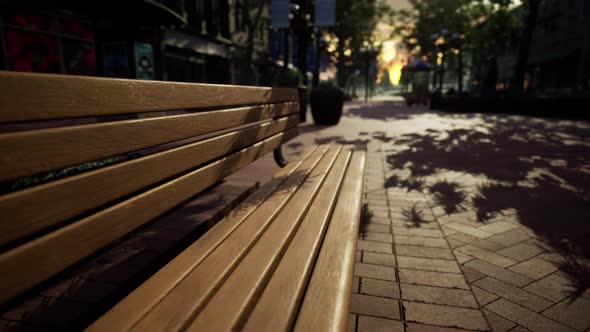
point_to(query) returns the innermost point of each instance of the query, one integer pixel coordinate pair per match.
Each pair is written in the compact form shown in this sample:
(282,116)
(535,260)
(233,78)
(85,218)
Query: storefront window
(48,44)
(32,52)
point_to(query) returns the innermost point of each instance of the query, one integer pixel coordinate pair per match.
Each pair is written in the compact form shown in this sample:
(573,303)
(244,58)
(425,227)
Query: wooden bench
(281,260)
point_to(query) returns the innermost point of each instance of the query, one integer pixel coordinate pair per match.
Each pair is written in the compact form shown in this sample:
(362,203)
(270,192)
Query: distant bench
(281,260)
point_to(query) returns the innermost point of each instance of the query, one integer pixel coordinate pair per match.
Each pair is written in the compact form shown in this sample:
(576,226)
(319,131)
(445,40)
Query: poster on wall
(144,61)
(116,60)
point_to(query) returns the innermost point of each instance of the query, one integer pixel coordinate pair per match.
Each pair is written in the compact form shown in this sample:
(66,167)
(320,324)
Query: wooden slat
(27,96)
(62,199)
(30,152)
(330,285)
(125,314)
(277,307)
(223,311)
(37,260)
(174,311)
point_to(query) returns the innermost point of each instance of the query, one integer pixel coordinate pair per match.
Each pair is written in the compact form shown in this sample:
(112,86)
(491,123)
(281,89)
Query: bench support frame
(279,158)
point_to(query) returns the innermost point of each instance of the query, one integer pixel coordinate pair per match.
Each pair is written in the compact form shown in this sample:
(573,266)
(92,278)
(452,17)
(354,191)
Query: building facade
(175,40)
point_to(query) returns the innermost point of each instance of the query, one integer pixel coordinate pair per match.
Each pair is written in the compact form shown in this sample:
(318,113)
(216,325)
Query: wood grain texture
(190,294)
(224,310)
(277,307)
(56,201)
(28,96)
(30,152)
(130,310)
(330,285)
(27,265)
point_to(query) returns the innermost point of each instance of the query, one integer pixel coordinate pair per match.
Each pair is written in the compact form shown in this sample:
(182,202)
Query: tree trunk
(517,85)
(340,66)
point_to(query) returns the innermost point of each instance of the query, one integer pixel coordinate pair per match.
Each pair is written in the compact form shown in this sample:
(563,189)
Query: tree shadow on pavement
(539,168)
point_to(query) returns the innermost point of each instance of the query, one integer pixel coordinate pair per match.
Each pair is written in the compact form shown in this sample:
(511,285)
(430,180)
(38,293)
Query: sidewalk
(474,222)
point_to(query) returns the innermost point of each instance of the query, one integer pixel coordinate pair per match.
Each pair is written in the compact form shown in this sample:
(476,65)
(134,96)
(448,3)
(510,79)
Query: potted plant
(326,102)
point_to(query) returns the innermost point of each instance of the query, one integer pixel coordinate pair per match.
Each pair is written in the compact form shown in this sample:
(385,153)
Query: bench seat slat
(127,312)
(224,310)
(48,149)
(27,265)
(330,285)
(62,199)
(48,96)
(277,307)
(190,294)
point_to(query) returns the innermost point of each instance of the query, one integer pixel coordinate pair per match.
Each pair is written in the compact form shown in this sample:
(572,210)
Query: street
(473,221)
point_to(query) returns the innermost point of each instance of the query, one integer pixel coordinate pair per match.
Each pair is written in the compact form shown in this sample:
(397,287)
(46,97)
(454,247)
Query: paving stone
(471,275)
(520,252)
(445,316)
(400,230)
(374,306)
(425,252)
(378,220)
(575,314)
(374,246)
(438,295)
(380,288)
(378,258)
(461,257)
(374,324)
(437,279)
(520,329)
(483,297)
(429,264)
(374,271)
(498,227)
(465,238)
(513,294)
(386,229)
(352,322)
(415,327)
(469,230)
(410,224)
(510,238)
(499,273)
(378,237)
(553,257)
(498,323)
(448,231)
(455,243)
(487,256)
(525,317)
(552,287)
(356,281)
(534,268)
(486,245)
(421,241)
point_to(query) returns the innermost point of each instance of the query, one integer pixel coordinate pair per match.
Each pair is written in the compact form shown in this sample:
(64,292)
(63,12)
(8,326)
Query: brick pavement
(420,269)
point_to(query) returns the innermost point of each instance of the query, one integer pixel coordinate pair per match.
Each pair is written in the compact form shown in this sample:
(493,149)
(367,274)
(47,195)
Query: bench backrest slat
(67,146)
(65,198)
(161,161)
(27,97)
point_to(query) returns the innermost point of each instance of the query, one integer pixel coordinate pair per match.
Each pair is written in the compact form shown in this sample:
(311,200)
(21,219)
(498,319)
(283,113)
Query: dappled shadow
(539,168)
(366,216)
(449,195)
(341,140)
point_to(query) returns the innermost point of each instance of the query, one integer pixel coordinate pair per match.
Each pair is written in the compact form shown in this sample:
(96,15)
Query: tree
(355,23)
(517,85)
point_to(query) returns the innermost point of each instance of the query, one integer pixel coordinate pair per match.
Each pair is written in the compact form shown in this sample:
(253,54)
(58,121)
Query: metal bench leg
(279,158)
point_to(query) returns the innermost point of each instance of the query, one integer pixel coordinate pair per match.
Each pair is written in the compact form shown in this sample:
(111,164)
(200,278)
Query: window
(49,44)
